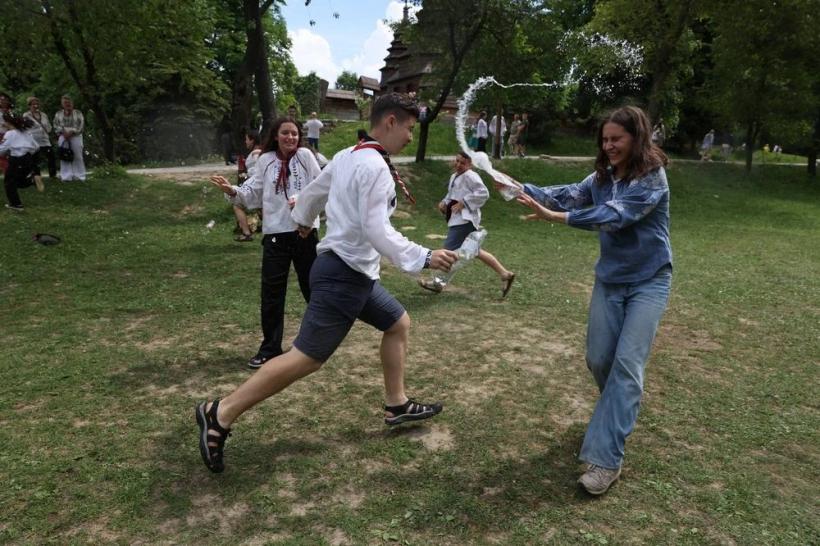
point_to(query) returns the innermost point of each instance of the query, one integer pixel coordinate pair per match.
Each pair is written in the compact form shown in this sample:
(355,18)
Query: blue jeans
(623,319)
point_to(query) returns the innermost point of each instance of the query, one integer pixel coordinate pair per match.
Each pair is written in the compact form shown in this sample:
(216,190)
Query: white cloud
(370,58)
(311,53)
(395,11)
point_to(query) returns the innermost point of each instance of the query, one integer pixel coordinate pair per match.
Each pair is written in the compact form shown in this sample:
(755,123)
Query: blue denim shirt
(632,218)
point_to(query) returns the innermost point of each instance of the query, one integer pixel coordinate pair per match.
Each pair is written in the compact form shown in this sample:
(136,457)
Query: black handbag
(66,153)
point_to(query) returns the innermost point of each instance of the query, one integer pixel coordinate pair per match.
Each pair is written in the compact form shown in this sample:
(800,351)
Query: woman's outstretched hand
(222,183)
(540,212)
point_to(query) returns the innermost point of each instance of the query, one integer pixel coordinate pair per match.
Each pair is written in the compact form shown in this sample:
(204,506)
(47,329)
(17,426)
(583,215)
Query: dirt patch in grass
(434,438)
(97,531)
(349,497)
(301,509)
(227,518)
(683,338)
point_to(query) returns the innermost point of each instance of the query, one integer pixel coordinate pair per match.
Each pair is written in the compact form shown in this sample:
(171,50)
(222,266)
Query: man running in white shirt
(357,190)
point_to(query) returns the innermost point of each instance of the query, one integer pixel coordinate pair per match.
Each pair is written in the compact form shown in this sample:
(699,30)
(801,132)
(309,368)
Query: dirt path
(401,160)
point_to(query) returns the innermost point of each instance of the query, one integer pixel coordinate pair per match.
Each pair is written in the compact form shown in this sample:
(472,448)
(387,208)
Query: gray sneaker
(597,479)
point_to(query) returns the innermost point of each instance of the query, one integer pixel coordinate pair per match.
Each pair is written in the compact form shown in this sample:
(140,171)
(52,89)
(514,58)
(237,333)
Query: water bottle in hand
(468,250)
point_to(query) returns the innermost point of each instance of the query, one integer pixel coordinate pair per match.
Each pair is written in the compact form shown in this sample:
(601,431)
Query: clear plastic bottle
(468,250)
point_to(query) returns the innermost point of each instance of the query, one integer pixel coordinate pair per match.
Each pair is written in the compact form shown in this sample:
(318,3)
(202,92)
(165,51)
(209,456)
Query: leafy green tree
(306,90)
(347,80)
(520,47)
(447,30)
(148,54)
(663,30)
(763,76)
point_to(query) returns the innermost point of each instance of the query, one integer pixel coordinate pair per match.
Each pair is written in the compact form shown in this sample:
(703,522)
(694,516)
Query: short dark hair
(400,105)
(465,155)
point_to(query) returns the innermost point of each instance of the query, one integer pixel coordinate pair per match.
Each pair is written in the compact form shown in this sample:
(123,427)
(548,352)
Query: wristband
(427,259)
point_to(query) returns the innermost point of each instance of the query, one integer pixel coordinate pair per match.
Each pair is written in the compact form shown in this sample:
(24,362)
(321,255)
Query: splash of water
(480,159)
(619,52)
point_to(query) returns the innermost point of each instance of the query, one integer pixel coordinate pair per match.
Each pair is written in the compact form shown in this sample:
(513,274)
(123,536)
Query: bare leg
(493,262)
(275,375)
(394,355)
(242,219)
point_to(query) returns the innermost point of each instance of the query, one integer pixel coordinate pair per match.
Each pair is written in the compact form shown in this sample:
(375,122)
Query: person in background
(706,146)
(481,132)
(493,126)
(512,141)
(523,131)
(254,148)
(20,147)
(659,133)
(5,108)
(68,125)
(314,129)
(281,173)
(41,131)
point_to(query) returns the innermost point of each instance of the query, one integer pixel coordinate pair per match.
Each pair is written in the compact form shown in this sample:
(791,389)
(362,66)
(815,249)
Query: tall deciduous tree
(446,30)
(663,30)
(119,60)
(762,56)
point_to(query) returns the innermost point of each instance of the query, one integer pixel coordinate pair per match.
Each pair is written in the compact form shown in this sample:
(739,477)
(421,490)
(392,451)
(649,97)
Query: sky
(357,41)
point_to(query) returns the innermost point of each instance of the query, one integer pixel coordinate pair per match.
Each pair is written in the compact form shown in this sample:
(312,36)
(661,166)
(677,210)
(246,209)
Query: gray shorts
(456,235)
(338,296)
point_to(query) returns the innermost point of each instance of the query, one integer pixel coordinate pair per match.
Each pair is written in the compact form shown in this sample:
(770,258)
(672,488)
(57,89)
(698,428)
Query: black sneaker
(411,411)
(256,362)
(15,209)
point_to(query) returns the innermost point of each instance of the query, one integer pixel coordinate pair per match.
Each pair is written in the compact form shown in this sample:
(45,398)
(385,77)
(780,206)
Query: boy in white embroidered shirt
(461,207)
(358,192)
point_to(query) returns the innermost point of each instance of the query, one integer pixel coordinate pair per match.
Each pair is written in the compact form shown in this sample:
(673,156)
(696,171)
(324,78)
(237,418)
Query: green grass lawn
(110,338)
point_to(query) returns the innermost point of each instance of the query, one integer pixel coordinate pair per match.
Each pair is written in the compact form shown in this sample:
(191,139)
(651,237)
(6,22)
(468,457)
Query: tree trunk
(751,137)
(661,65)
(815,144)
(241,101)
(87,82)
(457,60)
(257,47)
(424,129)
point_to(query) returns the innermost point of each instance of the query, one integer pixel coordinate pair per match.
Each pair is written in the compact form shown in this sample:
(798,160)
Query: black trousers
(47,154)
(482,145)
(279,250)
(18,176)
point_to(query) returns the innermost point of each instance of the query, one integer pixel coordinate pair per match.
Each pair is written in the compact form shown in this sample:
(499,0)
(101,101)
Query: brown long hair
(270,143)
(646,156)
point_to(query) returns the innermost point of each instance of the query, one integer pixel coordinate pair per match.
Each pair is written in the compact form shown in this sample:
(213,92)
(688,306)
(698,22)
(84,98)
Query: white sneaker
(16,209)
(597,479)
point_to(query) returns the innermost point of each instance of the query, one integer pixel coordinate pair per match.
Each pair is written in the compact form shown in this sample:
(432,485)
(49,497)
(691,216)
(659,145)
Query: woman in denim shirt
(626,200)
